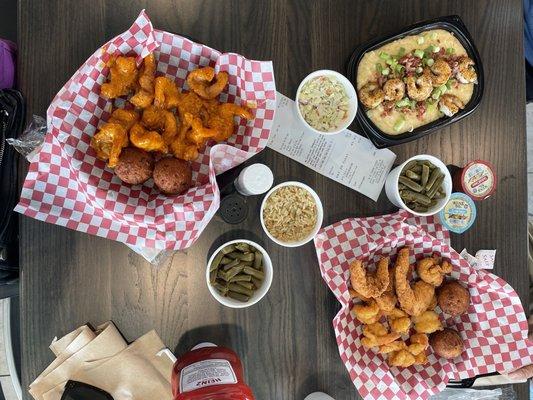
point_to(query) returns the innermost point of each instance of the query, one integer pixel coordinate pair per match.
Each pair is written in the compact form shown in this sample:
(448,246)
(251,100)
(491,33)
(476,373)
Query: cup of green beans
(239,273)
(421,185)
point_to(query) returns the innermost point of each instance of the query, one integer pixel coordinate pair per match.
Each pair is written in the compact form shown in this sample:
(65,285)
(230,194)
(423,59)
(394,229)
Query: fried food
(397,345)
(433,303)
(122,77)
(387,301)
(370,284)
(172,175)
(147,140)
(144,93)
(399,321)
(205,83)
(416,299)
(367,313)
(419,343)
(376,334)
(166,93)
(161,120)
(402,359)
(431,271)
(109,141)
(134,166)
(447,343)
(453,298)
(427,322)
(421,358)
(181,147)
(354,294)
(126,118)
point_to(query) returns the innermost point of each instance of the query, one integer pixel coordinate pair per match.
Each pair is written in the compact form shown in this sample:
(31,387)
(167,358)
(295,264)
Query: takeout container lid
(393,193)
(259,293)
(451,23)
(477,179)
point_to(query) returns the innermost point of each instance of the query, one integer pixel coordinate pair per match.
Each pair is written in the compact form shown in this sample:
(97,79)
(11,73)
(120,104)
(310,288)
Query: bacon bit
(381,80)
(420,109)
(410,62)
(388,106)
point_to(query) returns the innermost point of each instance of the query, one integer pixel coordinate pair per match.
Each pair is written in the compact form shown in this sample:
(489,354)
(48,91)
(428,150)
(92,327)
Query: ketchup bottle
(209,372)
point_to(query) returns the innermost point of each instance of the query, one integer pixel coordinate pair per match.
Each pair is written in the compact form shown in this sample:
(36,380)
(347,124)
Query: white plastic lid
(203,344)
(254,179)
(319,396)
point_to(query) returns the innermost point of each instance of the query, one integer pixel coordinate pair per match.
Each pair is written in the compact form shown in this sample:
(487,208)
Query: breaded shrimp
(201,82)
(431,272)
(166,94)
(416,299)
(387,301)
(367,313)
(370,284)
(147,140)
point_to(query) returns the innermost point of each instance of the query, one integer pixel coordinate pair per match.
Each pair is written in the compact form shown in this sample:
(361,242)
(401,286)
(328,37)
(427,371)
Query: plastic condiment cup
(319,214)
(393,192)
(350,92)
(258,294)
(254,180)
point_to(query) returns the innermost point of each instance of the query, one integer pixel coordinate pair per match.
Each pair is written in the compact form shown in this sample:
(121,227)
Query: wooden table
(286,341)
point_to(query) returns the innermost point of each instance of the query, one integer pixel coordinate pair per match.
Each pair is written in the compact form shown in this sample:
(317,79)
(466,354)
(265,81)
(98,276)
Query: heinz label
(206,373)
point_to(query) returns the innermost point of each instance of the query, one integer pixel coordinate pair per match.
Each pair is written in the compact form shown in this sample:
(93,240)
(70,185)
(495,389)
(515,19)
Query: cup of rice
(291,214)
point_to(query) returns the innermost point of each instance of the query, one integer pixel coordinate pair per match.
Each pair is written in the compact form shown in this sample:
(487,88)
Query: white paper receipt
(347,157)
(206,373)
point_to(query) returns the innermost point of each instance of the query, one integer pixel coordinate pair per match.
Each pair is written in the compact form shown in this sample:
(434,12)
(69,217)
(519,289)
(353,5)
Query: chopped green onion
(419,70)
(429,49)
(413,104)
(433,35)
(436,94)
(436,49)
(384,56)
(398,68)
(379,67)
(405,102)
(449,84)
(443,88)
(421,40)
(419,53)
(430,62)
(450,50)
(385,71)
(399,125)
(401,52)
(392,61)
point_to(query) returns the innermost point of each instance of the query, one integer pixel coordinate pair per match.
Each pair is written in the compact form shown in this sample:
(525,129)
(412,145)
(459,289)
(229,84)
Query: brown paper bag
(136,373)
(105,344)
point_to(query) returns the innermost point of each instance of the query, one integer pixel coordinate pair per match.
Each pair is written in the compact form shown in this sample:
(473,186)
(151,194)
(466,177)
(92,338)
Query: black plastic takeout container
(451,23)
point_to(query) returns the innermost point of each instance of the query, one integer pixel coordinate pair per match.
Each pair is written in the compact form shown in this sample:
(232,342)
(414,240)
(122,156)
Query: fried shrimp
(122,77)
(401,358)
(431,272)
(399,321)
(465,71)
(126,118)
(419,343)
(376,334)
(367,313)
(370,284)
(181,147)
(394,89)
(439,72)
(450,104)
(419,88)
(166,94)
(144,93)
(371,95)
(387,301)
(161,120)
(147,140)
(354,294)
(109,141)
(416,299)
(201,82)
(397,345)
(427,322)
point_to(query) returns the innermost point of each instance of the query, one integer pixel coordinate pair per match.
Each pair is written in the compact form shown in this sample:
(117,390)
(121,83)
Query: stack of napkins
(102,358)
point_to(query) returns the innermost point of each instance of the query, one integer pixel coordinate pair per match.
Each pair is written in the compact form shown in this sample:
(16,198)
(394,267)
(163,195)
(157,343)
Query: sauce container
(209,372)
(477,179)
(459,213)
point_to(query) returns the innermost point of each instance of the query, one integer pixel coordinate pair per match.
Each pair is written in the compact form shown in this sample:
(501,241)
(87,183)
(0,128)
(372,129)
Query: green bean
(413,175)
(416,197)
(409,165)
(439,195)
(216,261)
(425,175)
(234,271)
(419,208)
(417,168)
(436,186)
(241,278)
(242,256)
(223,290)
(222,275)
(234,287)
(242,247)
(238,296)
(257,282)
(234,255)
(228,249)
(213,276)
(401,186)
(225,260)
(432,178)
(410,184)
(255,273)
(232,264)
(258,260)
(247,285)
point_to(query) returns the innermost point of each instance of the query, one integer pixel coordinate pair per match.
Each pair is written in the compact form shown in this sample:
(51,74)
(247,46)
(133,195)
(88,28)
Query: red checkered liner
(67,185)
(494,329)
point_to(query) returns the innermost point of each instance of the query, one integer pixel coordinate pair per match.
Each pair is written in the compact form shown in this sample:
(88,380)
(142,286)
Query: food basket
(453,24)
(68,186)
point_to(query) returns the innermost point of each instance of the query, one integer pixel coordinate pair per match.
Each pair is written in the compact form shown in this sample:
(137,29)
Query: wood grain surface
(286,341)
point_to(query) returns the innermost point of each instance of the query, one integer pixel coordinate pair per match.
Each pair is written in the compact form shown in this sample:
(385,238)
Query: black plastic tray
(450,23)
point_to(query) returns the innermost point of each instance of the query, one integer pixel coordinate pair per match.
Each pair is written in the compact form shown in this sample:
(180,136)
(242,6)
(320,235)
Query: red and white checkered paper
(67,185)
(494,329)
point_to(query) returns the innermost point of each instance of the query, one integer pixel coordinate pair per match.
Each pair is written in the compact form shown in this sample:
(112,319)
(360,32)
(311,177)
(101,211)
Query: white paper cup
(350,92)
(319,216)
(258,294)
(393,193)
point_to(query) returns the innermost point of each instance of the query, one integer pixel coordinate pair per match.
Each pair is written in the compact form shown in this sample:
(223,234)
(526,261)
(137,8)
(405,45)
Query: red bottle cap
(477,179)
